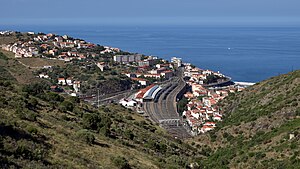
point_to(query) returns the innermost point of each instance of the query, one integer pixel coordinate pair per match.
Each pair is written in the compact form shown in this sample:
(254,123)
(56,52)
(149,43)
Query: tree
(90,121)
(66,106)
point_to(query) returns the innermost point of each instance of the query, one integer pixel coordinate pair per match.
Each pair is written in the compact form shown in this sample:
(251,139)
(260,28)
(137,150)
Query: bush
(32,103)
(54,97)
(129,134)
(129,117)
(74,99)
(90,121)
(31,129)
(85,136)
(66,106)
(105,131)
(27,115)
(36,88)
(121,162)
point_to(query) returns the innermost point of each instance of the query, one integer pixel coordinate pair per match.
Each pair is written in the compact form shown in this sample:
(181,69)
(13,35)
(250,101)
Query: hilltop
(260,129)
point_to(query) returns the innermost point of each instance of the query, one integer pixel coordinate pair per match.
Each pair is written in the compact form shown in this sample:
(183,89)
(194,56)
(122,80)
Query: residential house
(61,81)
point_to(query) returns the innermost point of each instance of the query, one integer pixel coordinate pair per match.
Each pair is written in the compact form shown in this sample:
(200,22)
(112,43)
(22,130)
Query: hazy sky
(151,11)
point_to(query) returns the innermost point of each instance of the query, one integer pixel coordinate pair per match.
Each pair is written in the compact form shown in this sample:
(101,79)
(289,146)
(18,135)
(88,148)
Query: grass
(254,133)
(9,54)
(56,133)
(7,39)
(39,62)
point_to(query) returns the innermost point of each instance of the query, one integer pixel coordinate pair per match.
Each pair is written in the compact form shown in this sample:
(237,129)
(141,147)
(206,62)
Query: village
(148,73)
(140,69)
(202,111)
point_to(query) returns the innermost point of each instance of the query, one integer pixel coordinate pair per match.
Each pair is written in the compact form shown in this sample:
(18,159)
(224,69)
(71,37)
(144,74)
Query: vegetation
(182,105)
(42,129)
(257,127)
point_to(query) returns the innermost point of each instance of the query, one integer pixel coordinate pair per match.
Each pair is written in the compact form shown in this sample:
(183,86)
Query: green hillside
(258,127)
(41,129)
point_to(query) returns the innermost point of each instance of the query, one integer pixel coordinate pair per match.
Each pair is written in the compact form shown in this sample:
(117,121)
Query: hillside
(41,129)
(259,128)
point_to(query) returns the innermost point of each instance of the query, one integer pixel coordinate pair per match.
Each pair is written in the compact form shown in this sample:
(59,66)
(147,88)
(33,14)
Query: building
(128,103)
(69,81)
(102,66)
(167,74)
(61,81)
(127,58)
(177,61)
(143,82)
(148,62)
(76,86)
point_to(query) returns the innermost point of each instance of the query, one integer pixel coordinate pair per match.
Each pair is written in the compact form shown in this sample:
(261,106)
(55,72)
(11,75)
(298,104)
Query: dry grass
(39,62)
(8,54)
(7,39)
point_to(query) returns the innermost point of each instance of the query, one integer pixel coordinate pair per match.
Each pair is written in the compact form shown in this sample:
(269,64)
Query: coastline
(205,47)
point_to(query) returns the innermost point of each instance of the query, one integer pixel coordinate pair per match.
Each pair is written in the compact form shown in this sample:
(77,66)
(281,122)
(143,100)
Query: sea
(245,53)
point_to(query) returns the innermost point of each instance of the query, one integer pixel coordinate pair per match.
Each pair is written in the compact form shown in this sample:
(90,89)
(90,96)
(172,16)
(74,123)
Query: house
(102,66)
(69,81)
(59,39)
(205,129)
(67,45)
(76,86)
(167,74)
(156,76)
(157,71)
(128,103)
(61,81)
(43,76)
(131,75)
(143,82)
(18,55)
(217,118)
(213,124)
(189,95)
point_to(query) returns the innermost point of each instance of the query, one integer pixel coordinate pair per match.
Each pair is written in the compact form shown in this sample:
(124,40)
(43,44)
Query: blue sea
(245,53)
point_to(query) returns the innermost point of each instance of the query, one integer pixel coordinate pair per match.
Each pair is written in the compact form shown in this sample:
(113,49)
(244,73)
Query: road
(164,109)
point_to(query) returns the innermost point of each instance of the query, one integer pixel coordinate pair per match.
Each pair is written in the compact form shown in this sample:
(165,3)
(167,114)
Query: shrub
(36,88)
(66,106)
(129,117)
(105,131)
(85,136)
(31,129)
(121,162)
(129,134)
(90,121)
(32,103)
(26,115)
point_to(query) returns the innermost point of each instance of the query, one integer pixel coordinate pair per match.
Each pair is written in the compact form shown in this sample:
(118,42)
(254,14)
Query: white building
(76,86)
(128,103)
(177,61)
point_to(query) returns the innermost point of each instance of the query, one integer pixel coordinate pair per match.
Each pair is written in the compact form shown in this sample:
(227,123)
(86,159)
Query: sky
(149,11)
